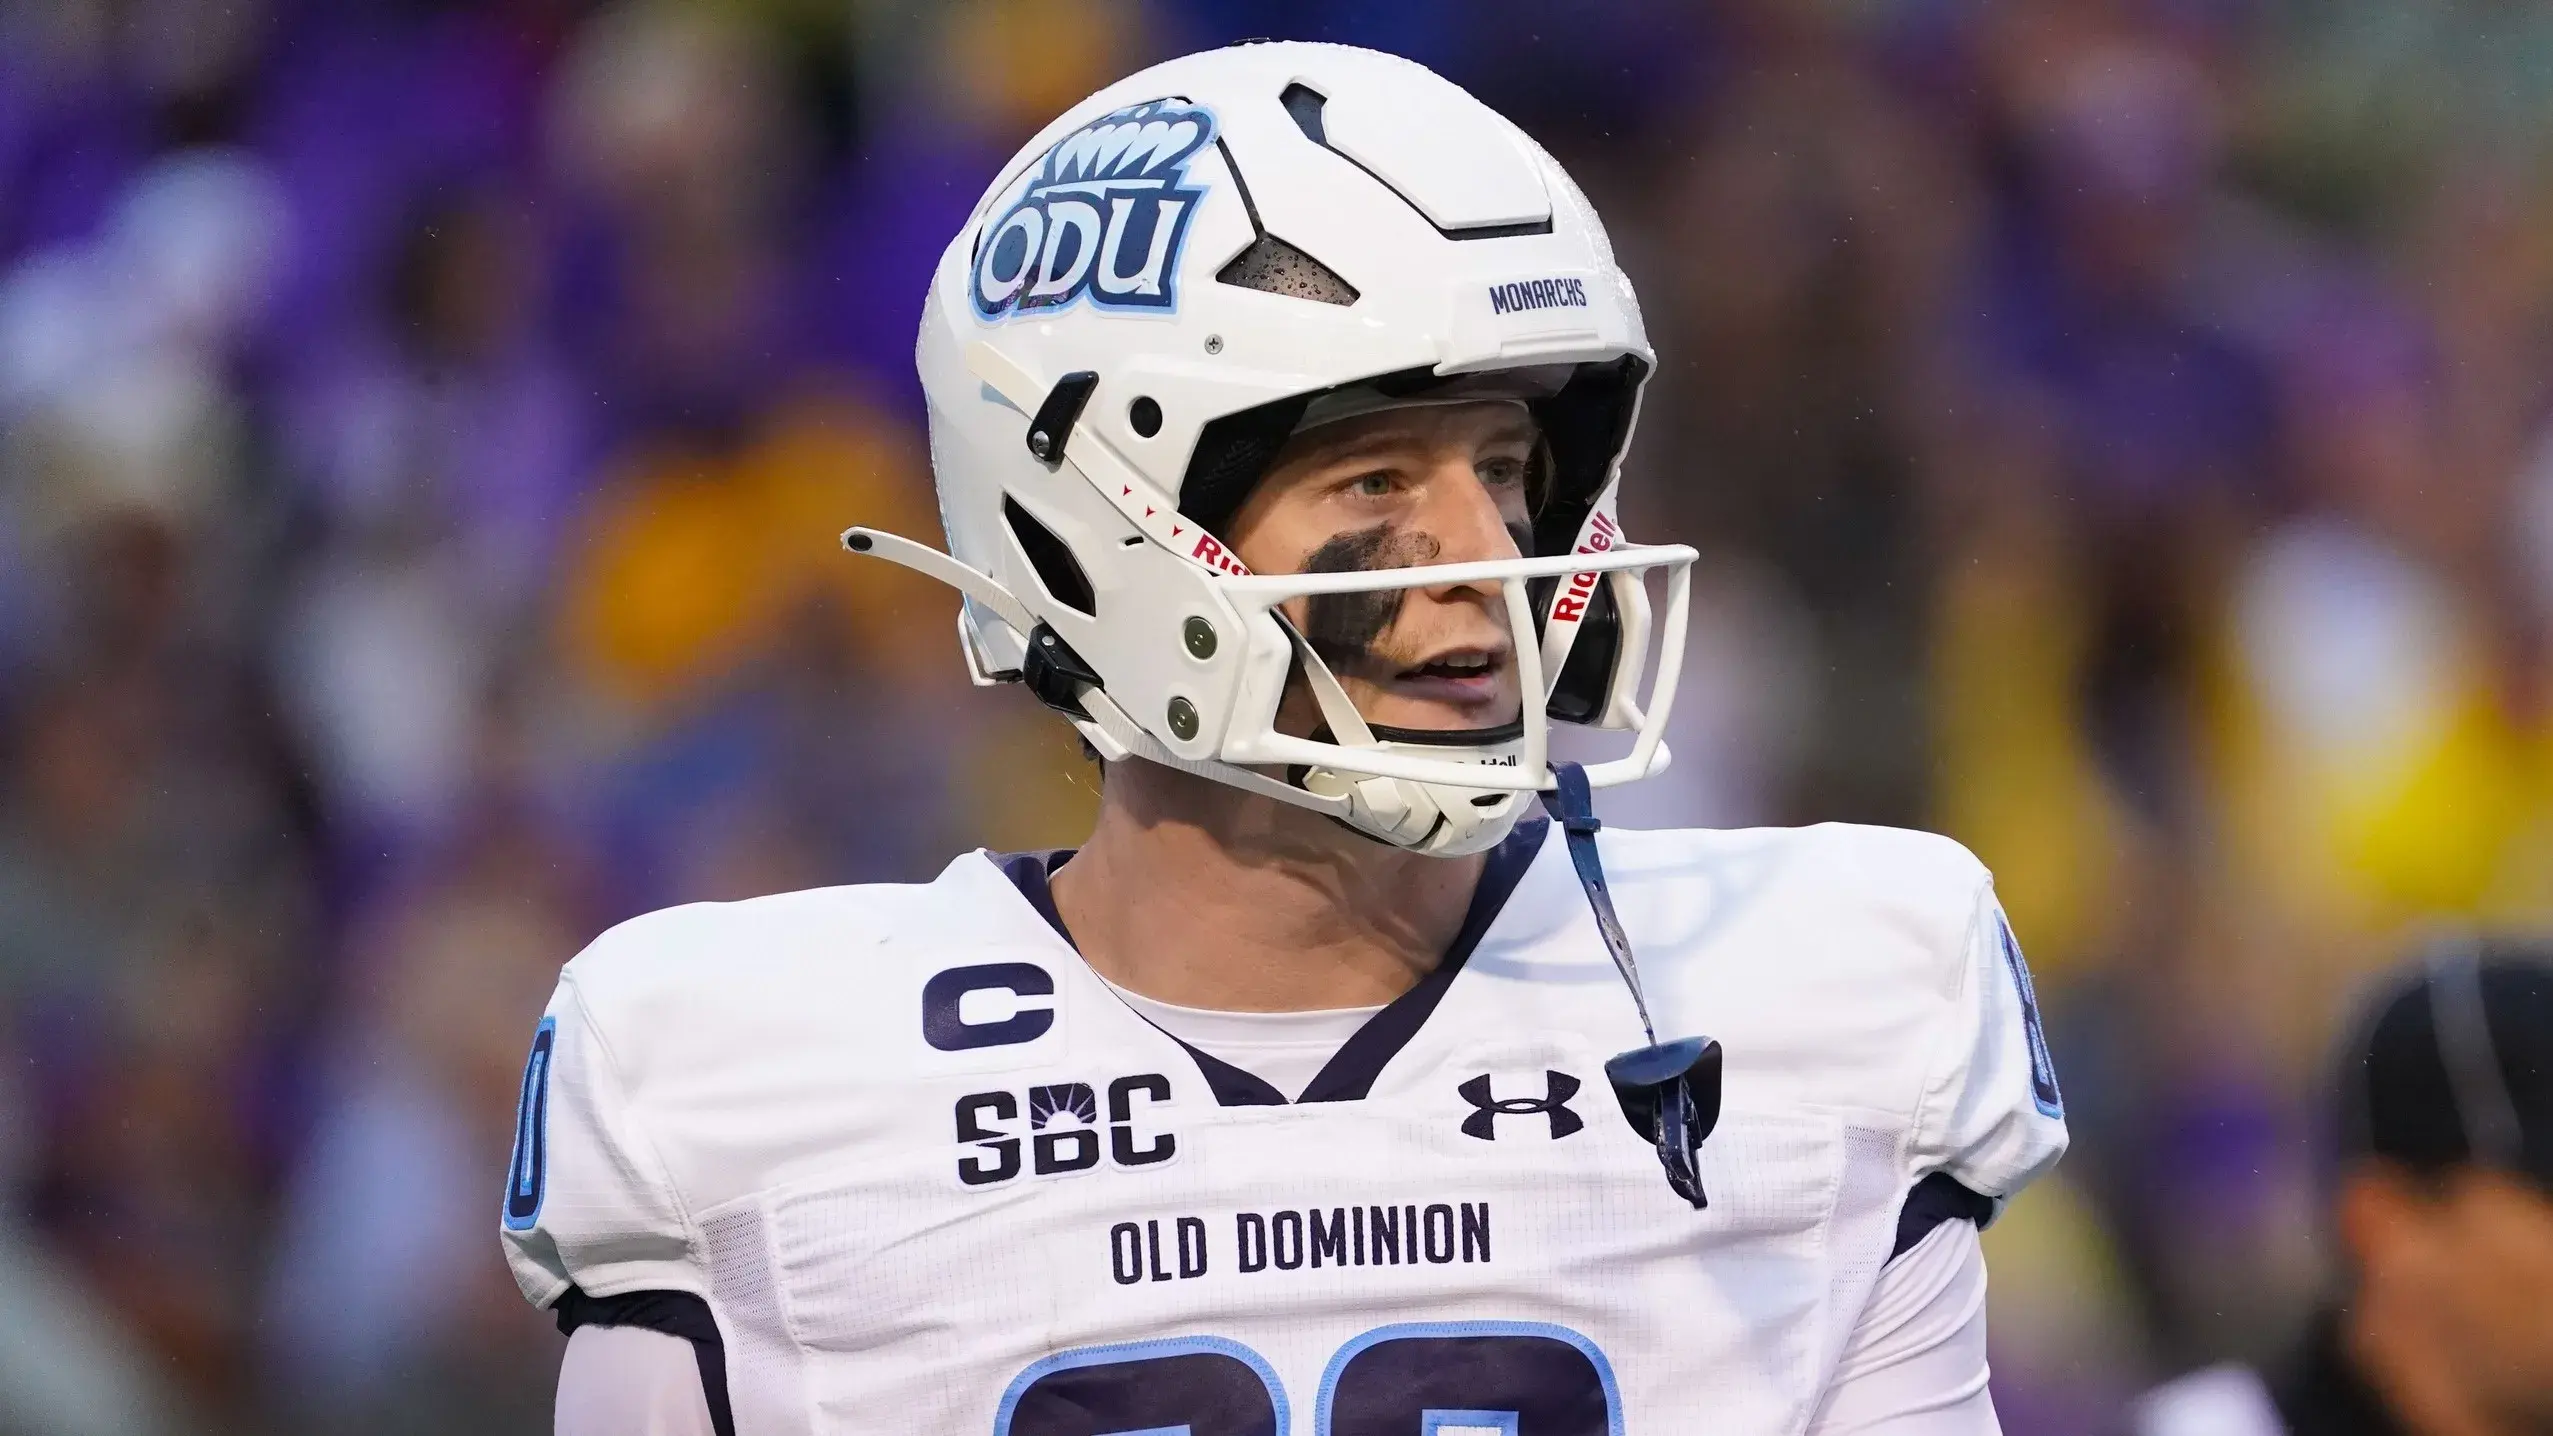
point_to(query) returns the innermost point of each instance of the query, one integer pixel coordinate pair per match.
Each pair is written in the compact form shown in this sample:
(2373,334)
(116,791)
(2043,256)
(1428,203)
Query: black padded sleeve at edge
(1936,1199)
(675,1313)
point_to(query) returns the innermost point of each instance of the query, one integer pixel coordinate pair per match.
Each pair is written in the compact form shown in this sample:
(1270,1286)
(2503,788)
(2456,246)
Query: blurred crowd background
(2119,433)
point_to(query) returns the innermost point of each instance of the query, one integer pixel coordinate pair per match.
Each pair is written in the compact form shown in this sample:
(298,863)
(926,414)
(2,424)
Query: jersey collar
(1350,1073)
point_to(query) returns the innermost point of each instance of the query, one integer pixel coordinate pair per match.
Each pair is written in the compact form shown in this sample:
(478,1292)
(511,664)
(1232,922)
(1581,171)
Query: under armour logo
(1558,1088)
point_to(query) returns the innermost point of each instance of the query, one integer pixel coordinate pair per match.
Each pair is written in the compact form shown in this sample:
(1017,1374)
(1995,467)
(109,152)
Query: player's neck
(1198,894)
(2402,1358)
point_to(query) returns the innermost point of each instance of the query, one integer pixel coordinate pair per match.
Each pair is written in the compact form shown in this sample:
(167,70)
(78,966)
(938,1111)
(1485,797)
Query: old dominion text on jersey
(1289,1239)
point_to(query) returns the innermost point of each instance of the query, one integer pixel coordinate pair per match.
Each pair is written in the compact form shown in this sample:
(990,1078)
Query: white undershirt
(2219,1401)
(1916,1362)
(1284,1049)
(1915,1366)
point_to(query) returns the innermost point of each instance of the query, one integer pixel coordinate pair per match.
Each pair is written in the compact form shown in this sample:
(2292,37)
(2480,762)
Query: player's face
(2501,1234)
(1435,484)
(2477,1261)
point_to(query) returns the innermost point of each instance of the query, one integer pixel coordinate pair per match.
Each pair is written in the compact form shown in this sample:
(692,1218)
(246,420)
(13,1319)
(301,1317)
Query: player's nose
(1461,512)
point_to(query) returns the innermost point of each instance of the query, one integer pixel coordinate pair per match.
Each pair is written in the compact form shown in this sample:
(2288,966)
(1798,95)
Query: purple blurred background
(2117,432)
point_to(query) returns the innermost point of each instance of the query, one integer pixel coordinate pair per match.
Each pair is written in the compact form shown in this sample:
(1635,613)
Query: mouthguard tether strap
(1669,1091)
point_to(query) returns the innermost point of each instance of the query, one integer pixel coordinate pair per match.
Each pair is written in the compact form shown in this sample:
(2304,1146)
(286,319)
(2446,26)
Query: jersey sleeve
(588,1200)
(1991,1115)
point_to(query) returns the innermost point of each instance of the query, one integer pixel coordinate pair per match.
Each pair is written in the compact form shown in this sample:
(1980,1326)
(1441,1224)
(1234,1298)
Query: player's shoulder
(1882,858)
(1920,890)
(818,948)
(1832,962)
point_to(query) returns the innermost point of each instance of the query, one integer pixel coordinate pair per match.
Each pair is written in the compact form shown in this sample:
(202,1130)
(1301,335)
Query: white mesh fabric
(1861,1232)
(766,1377)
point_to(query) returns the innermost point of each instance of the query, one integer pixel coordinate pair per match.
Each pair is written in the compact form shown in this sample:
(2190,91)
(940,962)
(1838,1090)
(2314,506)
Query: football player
(1347,1079)
(2440,1199)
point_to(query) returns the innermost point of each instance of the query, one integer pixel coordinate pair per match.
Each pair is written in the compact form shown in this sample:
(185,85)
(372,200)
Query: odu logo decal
(1103,215)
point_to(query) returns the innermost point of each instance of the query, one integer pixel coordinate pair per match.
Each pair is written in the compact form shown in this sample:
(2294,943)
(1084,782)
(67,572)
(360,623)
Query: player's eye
(1500,473)
(1376,485)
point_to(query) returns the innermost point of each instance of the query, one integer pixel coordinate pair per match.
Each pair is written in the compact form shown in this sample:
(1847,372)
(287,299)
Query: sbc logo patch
(1063,1132)
(1104,215)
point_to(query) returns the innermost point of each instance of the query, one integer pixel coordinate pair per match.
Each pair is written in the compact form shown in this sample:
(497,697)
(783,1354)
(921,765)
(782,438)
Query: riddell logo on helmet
(1213,555)
(1537,294)
(1104,214)
(1572,604)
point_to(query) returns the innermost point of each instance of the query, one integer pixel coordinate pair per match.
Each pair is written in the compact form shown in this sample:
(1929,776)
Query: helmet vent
(1275,267)
(1057,570)
(1305,106)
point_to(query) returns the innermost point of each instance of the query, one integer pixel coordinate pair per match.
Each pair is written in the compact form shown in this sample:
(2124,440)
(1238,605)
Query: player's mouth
(1463,678)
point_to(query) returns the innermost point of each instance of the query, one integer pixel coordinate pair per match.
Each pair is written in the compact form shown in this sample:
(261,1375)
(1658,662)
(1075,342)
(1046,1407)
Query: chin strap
(1670,1091)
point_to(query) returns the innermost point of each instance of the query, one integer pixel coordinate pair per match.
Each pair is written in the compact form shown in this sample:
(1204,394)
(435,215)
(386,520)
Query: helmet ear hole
(1232,453)
(1058,572)
(1584,428)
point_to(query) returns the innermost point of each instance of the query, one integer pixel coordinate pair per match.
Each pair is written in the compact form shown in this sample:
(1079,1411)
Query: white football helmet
(1161,288)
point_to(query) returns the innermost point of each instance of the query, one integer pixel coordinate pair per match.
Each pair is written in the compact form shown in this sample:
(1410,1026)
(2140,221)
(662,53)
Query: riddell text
(1213,554)
(1572,605)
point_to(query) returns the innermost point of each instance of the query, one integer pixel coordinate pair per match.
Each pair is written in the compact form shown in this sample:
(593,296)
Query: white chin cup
(1438,818)
(1433,818)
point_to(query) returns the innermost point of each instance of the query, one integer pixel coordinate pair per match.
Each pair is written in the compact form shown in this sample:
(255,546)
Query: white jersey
(928,1173)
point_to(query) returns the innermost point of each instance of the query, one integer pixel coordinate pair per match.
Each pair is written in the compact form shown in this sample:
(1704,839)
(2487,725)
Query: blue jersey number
(1467,1378)
(1189,1386)
(527,1177)
(2043,1068)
